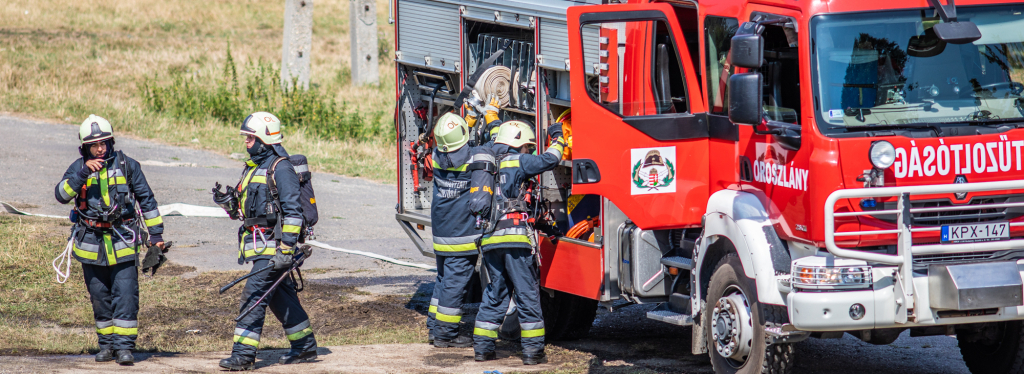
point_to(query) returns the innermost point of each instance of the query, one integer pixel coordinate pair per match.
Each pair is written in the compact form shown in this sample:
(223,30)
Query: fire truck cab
(765,171)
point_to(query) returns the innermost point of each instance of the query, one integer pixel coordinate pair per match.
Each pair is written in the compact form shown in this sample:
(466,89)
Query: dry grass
(177,314)
(65,59)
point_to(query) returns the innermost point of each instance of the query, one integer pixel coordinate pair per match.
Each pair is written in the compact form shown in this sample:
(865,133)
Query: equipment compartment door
(639,116)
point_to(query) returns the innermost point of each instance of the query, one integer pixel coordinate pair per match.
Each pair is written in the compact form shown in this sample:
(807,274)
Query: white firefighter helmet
(515,133)
(451,132)
(263,125)
(94,129)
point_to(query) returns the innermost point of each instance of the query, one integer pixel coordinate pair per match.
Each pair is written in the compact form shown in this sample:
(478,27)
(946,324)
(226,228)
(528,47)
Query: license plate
(982,232)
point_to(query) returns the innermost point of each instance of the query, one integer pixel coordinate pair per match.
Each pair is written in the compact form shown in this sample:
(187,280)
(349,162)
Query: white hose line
(63,260)
(12,210)
(371,255)
(495,81)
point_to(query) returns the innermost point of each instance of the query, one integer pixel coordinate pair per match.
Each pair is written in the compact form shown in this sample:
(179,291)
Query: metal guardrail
(905,249)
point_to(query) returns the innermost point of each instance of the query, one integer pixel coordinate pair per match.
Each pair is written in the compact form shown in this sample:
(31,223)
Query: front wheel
(994,348)
(734,325)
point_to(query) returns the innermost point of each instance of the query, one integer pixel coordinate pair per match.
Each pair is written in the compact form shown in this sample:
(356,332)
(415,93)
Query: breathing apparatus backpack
(307,198)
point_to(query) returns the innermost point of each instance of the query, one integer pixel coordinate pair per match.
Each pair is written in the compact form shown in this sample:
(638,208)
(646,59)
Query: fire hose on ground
(63,260)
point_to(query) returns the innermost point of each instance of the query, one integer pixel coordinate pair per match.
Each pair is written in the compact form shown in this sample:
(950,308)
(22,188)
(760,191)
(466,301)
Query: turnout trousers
(284,302)
(114,291)
(513,273)
(454,274)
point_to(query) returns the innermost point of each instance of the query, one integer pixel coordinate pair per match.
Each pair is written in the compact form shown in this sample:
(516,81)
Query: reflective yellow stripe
(259,179)
(106,330)
(245,182)
(111,258)
(454,247)
(125,252)
(509,164)
(506,239)
(154,221)
(104,187)
(432,309)
(246,340)
(89,182)
(68,190)
(448,318)
(300,334)
(460,168)
(119,180)
(125,330)
(86,254)
(290,228)
(484,332)
(533,333)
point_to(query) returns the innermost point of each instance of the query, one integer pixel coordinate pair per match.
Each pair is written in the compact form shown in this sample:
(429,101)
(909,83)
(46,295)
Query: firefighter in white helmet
(508,246)
(105,186)
(268,236)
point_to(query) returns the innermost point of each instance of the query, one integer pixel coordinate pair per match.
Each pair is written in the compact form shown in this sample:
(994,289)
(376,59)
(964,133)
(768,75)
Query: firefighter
(268,236)
(105,185)
(509,247)
(454,231)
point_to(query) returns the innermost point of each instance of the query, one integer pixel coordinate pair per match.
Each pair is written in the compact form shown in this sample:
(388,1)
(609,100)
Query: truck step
(677,262)
(663,314)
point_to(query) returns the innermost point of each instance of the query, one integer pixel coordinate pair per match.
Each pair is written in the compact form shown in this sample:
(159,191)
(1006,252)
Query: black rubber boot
(295,357)
(458,342)
(105,354)
(534,358)
(430,337)
(485,356)
(124,357)
(238,363)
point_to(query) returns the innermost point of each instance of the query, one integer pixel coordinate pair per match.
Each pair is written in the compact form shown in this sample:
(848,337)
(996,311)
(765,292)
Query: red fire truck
(765,171)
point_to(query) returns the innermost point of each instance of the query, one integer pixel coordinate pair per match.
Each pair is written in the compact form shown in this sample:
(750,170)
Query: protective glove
(555,131)
(155,257)
(282,261)
(492,108)
(471,116)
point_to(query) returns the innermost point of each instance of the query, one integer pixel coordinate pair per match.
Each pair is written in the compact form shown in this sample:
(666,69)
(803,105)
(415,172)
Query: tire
(728,281)
(567,316)
(1002,353)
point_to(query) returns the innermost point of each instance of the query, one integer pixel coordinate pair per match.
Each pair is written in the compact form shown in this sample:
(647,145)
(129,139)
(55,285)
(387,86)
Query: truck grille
(952,217)
(953,258)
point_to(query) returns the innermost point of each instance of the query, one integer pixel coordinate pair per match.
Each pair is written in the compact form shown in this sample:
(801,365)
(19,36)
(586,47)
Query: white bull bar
(905,249)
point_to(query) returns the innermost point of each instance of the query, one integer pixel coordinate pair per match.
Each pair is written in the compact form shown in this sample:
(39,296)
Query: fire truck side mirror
(745,98)
(747,49)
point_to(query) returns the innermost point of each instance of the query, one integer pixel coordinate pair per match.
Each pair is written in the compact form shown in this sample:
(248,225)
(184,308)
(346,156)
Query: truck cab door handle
(585,171)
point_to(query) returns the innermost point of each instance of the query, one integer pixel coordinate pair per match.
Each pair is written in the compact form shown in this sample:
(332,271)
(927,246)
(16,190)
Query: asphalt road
(354,213)
(358,214)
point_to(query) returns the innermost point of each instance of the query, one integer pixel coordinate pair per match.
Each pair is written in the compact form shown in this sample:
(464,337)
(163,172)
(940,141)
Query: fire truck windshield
(889,69)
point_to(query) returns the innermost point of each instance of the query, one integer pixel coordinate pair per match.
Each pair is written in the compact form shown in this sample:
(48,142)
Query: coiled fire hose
(495,81)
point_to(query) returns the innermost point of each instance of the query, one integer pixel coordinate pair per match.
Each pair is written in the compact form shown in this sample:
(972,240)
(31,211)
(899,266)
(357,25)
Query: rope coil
(63,260)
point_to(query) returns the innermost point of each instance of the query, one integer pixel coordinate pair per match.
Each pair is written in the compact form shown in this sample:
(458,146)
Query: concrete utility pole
(298,43)
(362,20)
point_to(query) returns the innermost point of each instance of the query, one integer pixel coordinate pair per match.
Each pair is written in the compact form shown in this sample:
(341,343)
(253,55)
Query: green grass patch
(230,96)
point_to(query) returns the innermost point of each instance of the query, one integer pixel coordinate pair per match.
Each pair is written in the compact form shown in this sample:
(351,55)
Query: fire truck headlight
(882,154)
(817,274)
